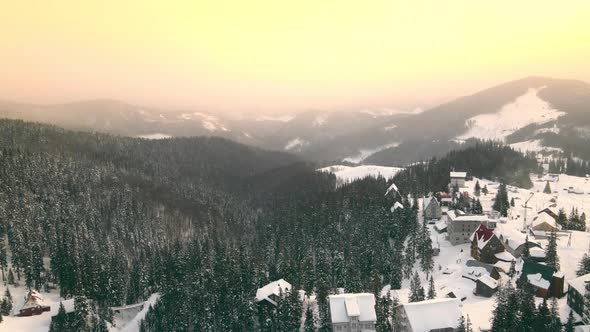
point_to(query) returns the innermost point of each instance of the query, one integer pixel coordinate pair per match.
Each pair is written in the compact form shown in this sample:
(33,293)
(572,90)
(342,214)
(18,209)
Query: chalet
(34,305)
(514,242)
(486,286)
(546,281)
(576,288)
(485,245)
(543,224)
(440,315)
(431,208)
(353,312)
(458,179)
(270,293)
(460,226)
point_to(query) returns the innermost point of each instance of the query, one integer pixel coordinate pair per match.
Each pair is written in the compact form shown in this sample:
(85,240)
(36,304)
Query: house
(353,312)
(440,315)
(460,226)
(34,305)
(458,179)
(544,223)
(486,286)
(546,281)
(485,245)
(270,293)
(445,199)
(576,288)
(514,242)
(431,208)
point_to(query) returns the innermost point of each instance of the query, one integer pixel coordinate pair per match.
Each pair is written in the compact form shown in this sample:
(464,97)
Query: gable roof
(34,299)
(579,283)
(428,200)
(425,316)
(482,235)
(458,174)
(344,306)
(544,217)
(273,288)
(488,281)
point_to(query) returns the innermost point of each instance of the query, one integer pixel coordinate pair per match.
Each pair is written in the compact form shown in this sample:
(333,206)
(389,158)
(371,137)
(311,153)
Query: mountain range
(538,114)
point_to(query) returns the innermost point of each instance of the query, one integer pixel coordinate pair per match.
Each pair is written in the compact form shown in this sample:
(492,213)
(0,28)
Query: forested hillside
(203,221)
(489,160)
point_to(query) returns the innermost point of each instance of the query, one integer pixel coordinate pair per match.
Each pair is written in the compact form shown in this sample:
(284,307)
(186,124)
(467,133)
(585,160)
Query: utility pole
(526,207)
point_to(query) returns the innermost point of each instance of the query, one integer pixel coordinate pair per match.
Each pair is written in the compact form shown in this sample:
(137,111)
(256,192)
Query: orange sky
(276,55)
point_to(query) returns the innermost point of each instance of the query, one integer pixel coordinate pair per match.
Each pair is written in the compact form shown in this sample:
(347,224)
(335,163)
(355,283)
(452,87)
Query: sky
(283,56)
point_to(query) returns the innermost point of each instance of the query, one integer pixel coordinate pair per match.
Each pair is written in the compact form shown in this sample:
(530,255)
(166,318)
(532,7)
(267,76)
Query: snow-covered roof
(425,316)
(344,306)
(545,218)
(537,252)
(462,216)
(505,256)
(579,283)
(504,266)
(458,174)
(488,281)
(68,306)
(428,200)
(34,299)
(396,206)
(393,187)
(483,235)
(274,288)
(582,328)
(537,280)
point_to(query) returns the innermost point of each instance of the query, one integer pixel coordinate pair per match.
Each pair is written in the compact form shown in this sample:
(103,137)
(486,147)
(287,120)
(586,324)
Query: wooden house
(485,245)
(34,305)
(431,208)
(486,286)
(546,281)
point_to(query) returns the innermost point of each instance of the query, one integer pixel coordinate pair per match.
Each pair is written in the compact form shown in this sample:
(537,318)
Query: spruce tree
(570,324)
(501,203)
(431,289)
(583,266)
(547,189)
(526,253)
(477,188)
(462,326)
(552,259)
(485,190)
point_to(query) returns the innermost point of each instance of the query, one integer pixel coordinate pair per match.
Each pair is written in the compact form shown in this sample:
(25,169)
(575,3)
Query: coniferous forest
(204,222)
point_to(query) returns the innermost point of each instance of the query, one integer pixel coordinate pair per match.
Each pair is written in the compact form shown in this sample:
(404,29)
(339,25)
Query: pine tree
(583,266)
(10,277)
(512,271)
(431,289)
(462,326)
(485,189)
(512,202)
(547,189)
(477,191)
(570,324)
(468,327)
(6,305)
(555,321)
(501,203)
(552,259)
(586,314)
(416,289)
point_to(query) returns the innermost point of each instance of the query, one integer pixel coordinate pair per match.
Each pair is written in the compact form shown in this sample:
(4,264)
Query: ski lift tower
(526,207)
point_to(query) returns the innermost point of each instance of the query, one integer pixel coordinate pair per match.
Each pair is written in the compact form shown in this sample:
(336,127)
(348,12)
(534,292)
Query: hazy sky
(274,55)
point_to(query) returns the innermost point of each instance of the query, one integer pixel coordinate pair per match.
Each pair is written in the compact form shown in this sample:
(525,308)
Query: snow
(208,122)
(391,187)
(579,283)
(133,324)
(533,146)
(320,120)
(505,256)
(428,315)
(347,174)
(461,175)
(365,153)
(296,144)
(488,281)
(273,288)
(525,110)
(343,306)
(538,281)
(277,118)
(155,136)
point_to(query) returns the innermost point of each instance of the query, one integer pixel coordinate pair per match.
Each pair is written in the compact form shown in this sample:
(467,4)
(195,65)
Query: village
(475,255)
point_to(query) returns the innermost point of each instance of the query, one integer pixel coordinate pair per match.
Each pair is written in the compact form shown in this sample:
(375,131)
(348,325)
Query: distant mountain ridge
(541,114)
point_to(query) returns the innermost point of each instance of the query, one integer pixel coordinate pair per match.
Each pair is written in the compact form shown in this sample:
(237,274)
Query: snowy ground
(365,153)
(525,110)
(346,174)
(155,136)
(40,323)
(450,264)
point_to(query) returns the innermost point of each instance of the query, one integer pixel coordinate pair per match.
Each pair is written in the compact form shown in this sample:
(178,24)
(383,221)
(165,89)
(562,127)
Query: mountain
(537,114)
(545,115)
